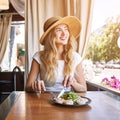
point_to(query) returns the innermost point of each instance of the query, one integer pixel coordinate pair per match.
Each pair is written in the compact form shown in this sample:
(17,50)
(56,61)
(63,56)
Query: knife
(61,93)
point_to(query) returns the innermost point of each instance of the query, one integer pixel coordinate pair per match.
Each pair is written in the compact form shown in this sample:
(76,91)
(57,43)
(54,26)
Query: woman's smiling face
(62,34)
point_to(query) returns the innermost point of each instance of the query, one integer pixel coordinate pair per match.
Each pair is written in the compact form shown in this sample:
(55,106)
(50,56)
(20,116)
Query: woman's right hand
(38,86)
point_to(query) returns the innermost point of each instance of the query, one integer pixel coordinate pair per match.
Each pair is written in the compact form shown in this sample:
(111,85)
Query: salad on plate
(72,99)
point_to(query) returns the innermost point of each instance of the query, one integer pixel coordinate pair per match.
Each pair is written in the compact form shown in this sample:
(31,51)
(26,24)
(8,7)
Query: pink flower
(113,82)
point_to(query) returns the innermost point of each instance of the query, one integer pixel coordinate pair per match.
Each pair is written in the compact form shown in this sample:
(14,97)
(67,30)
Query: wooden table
(32,106)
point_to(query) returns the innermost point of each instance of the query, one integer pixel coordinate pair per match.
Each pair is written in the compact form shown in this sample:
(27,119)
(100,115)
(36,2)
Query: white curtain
(38,11)
(84,12)
(33,29)
(5,22)
(19,6)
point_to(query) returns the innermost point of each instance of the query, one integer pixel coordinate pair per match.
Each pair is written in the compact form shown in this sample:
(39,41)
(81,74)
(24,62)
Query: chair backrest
(18,78)
(12,81)
(16,68)
(6,83)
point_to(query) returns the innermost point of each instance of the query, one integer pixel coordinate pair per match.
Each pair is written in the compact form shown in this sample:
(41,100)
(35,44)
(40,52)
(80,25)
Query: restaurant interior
(7,77)
(15,103)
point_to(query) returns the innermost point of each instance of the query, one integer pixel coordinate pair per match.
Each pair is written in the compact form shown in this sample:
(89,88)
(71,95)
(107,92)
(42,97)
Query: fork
(61,92)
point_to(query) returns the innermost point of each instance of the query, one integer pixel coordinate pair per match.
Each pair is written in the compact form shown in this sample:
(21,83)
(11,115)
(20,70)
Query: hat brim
(73,23)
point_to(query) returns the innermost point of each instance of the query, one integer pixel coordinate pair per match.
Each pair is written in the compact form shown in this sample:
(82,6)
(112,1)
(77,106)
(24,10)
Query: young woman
(58,65)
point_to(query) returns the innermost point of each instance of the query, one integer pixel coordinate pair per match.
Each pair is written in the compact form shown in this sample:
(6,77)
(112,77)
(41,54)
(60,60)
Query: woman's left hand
(68,81)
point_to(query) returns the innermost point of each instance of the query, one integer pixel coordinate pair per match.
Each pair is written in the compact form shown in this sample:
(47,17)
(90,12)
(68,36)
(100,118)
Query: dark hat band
(45,29)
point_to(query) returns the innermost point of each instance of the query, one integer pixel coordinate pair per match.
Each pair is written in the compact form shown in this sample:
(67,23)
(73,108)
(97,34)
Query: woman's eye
(61,30)
(58,30)
(66,29)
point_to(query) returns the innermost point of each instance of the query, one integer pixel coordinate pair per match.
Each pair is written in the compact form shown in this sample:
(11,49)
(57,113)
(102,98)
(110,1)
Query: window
(103,55)
(15,53)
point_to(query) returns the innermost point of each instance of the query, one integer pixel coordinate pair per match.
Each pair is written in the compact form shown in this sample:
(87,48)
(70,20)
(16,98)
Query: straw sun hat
(73,23)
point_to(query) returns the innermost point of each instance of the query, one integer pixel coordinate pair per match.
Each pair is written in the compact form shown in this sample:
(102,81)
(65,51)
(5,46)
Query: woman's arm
(32,83)
(79,82)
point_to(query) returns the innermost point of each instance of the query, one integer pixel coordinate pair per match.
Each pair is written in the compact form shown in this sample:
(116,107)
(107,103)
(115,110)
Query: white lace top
(60,76)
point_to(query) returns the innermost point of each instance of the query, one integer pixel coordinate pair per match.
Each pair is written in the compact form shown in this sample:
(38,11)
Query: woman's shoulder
(77,57)
(76,54)
(36,56)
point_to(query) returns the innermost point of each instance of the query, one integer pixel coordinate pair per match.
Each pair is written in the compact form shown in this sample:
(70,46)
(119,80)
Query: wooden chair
(9,81)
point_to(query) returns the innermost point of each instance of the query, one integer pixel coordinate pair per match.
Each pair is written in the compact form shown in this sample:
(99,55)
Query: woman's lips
(63,38)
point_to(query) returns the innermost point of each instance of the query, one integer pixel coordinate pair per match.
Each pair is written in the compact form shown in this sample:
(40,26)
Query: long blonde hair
(49,57)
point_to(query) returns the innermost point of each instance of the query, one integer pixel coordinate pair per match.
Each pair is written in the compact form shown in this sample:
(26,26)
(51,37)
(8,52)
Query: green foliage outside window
(103,43)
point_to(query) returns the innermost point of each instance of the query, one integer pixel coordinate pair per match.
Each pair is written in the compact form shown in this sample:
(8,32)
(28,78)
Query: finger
(34,86)
(65,81)
(70,80)
(39,86)
(43,85)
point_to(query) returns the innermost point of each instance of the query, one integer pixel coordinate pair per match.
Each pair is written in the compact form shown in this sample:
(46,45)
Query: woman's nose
(63,33)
